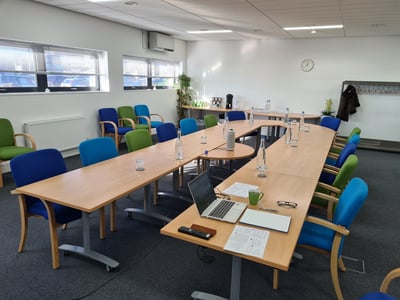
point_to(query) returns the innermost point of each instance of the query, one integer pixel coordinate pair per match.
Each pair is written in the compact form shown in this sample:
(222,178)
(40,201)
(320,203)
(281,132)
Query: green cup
(255,196)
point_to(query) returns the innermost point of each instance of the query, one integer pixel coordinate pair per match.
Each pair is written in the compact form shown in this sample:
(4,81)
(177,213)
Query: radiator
(64,133)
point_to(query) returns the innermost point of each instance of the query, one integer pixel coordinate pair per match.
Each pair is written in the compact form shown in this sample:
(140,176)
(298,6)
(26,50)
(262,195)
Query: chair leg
(53,235)
(102,223)
(275,280)
(334,267)
(341,264)
(24,223)
(1,179)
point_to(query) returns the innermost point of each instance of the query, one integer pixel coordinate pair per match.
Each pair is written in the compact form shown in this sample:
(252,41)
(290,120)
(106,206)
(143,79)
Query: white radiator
(63,133)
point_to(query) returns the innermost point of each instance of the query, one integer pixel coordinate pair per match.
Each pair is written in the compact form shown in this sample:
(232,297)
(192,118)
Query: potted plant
(328,107)
(184,93)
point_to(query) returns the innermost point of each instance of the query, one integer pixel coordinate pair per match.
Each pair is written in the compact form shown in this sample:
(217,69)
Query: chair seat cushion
(377,296)
(316,236)
(121,130)
(9,152)
(155,124)
(63,214)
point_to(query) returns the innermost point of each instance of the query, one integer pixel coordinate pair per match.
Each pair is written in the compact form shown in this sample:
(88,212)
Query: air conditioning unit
(161,42)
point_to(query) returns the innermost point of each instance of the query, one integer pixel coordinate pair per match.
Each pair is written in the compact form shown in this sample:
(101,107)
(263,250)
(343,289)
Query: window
(142,73)
(27,67)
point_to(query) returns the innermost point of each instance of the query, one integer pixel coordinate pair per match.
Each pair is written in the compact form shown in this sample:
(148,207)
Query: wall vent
(161,42)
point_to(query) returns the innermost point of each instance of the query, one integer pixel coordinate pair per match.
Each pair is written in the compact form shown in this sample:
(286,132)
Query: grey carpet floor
(153,266)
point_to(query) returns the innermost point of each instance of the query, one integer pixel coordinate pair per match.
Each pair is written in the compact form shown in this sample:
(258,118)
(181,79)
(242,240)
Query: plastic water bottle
(261,159)
(251,116)
(179,147)
(286,119)
(288,135)
(226,127)
(268,105)
(302,121)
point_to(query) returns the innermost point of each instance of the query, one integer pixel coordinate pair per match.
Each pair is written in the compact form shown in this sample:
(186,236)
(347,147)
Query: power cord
(204,256)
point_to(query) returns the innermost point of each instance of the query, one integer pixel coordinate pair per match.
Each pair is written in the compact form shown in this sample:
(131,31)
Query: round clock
(307,65)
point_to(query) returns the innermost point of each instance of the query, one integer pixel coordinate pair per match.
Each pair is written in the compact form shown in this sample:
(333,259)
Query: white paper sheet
(240,189)
(248,241)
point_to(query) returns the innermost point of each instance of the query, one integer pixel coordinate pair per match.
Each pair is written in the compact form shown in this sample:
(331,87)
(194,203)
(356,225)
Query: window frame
(100,73)
(150,63)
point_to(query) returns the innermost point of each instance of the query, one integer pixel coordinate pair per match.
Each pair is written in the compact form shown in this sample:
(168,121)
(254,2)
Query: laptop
(207,203)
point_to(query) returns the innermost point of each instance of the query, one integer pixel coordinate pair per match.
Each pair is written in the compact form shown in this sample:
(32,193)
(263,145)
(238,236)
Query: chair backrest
(138,139)
(350,202)
(236,115)
(6,133)
(210,120)
(346,171)
(127,112)
(166,132)
(142,110)
(349,148)
(355,130)
(108,114)
(188,125)
(354,139)
(37,165)
(330,122)
(97,149)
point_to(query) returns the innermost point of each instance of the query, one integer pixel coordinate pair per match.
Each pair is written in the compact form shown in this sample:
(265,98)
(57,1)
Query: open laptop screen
(202,191)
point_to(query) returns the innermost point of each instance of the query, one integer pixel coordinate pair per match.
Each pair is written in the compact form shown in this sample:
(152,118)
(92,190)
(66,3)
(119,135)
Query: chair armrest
(102,123)
(326,197)
(329,187)
(148,121)
(333,168)
(158,115)
(340,138)
(15,192)
(388,279)
(29,138)
(338,228)
(333,155)
(329,170)
(121,122)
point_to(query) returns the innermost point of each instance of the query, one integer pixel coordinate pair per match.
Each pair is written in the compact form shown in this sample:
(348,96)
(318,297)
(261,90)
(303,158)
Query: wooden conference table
(92,187)
(292,175)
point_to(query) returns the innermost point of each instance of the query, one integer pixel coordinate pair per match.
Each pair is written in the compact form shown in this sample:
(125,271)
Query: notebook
(266,220)
(207,203)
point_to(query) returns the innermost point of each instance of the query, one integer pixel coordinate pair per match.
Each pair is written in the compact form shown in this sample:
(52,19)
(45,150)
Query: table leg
(235,283)
(86,249)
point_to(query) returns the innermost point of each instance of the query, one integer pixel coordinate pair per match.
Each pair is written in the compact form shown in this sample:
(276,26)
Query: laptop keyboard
(221,209)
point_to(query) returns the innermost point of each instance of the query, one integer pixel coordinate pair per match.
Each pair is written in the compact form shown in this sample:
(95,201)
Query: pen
(269,209)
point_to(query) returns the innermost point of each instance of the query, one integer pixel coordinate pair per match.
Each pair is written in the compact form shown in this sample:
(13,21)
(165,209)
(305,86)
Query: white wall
(28,21)
(254,71)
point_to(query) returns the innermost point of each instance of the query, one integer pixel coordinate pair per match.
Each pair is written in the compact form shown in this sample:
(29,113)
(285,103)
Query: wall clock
(307,65)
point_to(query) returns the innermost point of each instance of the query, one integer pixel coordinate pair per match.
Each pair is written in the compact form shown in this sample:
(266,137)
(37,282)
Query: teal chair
(188,126)
(143,111)
(91,152)
(8,143)
(327,237)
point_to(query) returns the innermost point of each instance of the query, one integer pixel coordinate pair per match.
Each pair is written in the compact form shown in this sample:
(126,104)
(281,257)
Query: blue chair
(142,110)
(382,294)
(93,151)
(321,235)
(330,122)
(335,162)
(235,115)
(166,132)
(32,167)
(188,126)
(112,126)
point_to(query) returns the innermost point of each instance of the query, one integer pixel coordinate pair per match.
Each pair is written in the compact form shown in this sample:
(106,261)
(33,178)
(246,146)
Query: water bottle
(288,135)
(226,127)
(286,119)
(179,147)
(261,159)
(302,121)
(251,117)
(268,105)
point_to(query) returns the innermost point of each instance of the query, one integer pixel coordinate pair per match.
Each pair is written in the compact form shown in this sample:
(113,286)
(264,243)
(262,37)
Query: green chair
(139,139)
(210,120)
(127,112)
(340,141)
(342,177)
(8,143)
